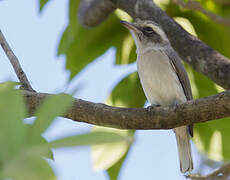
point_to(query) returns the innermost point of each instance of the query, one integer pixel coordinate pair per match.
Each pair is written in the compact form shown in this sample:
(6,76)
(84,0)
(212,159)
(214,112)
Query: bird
(163,78)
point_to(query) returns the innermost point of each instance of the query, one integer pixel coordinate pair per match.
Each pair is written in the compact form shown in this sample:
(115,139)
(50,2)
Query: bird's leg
(152,106)
(174,104)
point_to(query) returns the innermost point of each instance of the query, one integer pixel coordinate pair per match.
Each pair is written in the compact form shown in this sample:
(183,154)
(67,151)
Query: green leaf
(42,4)
(126,51)
(52,107)
(48,152)
(71,30)
(83,45)
(90,138)
(114,170)
(39,141)
(215,35)
(88,44)
(128,93)
(64,43)
(28,163)
(27,166)
(207,130)
(211,137)
(106,155)
(12,113)
(73,15)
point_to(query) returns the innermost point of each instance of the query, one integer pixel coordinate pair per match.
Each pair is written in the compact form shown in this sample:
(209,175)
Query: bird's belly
(159,80)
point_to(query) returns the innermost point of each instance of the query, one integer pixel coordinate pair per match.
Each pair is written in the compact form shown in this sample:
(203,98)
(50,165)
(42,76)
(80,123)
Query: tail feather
(184,149)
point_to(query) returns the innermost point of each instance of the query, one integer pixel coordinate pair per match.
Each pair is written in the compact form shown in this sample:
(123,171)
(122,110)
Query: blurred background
(98,65)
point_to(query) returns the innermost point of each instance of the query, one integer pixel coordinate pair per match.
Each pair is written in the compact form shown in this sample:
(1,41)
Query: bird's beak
(129,25)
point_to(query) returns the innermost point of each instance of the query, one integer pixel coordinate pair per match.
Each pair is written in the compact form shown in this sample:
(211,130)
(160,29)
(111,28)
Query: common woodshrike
(163,78)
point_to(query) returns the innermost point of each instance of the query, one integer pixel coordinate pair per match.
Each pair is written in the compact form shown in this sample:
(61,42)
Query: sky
(34,38)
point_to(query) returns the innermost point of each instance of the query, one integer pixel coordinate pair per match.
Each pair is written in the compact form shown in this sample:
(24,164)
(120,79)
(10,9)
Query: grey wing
(176,62)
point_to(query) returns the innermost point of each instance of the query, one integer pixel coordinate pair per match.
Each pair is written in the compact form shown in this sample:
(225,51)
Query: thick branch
(196,111)
(195,5)
(223,2)
(96,15)
(196,53)
(15,63)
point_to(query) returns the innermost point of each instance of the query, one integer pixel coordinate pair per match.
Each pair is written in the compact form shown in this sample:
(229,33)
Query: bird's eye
(148,29)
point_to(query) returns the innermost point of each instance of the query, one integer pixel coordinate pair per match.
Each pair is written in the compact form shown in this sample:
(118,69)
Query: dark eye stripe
(151,34)
(148,29)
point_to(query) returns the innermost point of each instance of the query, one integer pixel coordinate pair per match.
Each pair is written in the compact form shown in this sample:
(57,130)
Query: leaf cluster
(24,153)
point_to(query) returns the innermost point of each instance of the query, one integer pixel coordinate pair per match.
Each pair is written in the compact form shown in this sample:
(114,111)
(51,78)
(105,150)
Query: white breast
(159,80)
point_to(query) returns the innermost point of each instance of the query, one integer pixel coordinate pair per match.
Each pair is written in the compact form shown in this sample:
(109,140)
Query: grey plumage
(183,77)
(163,78)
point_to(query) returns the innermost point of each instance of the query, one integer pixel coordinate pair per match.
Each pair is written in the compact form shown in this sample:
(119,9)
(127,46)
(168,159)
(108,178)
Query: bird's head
(147,35)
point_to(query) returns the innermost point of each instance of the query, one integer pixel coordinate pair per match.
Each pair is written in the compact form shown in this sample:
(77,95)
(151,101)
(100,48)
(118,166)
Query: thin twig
(223,173)
(15,63)
(195,5)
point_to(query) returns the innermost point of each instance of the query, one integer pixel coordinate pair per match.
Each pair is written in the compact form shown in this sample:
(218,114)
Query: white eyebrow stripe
(158,31)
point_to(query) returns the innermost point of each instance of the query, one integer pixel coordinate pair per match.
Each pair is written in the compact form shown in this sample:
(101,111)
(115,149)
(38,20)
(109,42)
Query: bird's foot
(174,105)
(194,176)
(152,106)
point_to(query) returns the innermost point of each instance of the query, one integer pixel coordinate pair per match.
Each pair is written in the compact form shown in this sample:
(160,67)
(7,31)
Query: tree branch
(223,173)
(196,111)
(15,63)
(193,51)
(223,2)
(96,15)
(195,5)
(200,56)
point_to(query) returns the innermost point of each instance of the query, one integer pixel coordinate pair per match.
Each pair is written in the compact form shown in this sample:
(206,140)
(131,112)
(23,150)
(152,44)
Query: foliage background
(36,38)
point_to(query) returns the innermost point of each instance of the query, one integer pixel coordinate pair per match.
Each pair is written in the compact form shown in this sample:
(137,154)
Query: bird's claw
(151,107)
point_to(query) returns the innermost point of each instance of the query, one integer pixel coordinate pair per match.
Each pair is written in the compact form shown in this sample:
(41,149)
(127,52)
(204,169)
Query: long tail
(184,149)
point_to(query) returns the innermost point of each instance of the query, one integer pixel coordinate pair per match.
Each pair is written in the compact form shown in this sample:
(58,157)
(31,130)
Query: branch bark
(193,51)
(223,173)
(196,111)
(96,15)
(222,2)
(195,5)
(199,55)
(15,63)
